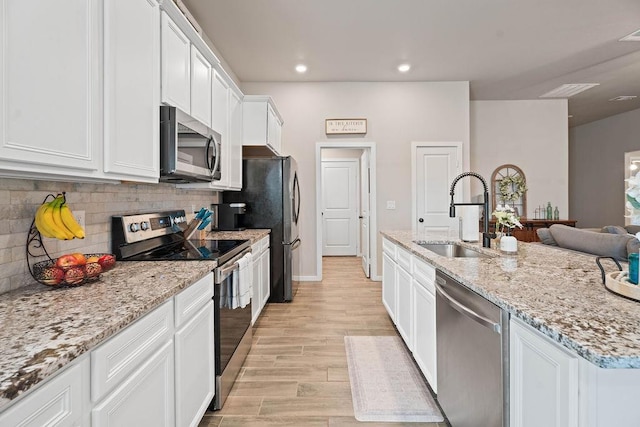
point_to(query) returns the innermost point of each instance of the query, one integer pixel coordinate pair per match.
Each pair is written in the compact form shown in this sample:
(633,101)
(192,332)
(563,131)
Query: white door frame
(373,226)
(414,167)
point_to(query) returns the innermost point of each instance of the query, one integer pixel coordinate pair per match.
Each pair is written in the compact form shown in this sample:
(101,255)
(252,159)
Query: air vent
(633,37)
(623,98)
(568,90)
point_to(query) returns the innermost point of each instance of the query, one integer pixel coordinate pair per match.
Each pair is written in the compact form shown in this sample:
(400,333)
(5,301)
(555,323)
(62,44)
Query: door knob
(420,220)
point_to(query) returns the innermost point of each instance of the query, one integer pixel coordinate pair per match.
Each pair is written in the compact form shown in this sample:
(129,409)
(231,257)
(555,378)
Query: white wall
(597,169)
(532,135)
(397,113)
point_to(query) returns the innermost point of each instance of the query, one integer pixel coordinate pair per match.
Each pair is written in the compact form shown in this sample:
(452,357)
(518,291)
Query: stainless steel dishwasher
(472,339)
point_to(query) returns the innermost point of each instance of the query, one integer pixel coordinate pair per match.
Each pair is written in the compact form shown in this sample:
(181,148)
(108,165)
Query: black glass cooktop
(187,250)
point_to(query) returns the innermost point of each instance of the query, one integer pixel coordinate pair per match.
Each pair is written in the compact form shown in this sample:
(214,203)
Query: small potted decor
(506,220)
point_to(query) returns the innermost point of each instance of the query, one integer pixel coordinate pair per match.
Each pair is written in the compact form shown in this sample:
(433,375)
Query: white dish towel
(241,283)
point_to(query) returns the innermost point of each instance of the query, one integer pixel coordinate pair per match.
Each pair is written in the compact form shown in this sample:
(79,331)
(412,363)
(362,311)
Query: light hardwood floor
(296,373)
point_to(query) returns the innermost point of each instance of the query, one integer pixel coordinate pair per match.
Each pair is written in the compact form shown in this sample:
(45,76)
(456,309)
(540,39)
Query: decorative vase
(509,244)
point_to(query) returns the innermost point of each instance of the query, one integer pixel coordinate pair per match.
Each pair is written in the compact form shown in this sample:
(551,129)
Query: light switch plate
(391,204)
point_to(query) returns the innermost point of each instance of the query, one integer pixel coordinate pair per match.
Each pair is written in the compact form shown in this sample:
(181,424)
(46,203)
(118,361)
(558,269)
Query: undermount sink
(452,250)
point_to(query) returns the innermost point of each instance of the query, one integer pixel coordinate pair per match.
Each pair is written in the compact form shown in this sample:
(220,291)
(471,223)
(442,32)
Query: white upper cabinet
(200,87)
(262,124)
(235,141)
(50,112)
(176,66)
(132,88)
(274,129)
(220,104)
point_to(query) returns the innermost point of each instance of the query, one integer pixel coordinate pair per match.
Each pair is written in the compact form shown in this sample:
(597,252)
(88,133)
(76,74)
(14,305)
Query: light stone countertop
(44,328)
(558,292)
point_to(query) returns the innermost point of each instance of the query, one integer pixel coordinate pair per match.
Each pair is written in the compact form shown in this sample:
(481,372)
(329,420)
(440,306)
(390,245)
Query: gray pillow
(545,237)
(614,229)
(603,244)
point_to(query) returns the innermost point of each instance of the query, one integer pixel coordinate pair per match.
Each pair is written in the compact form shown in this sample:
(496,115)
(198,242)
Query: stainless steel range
(160,236)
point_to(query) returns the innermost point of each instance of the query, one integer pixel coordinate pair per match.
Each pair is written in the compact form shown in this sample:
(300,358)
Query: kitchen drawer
(190,300)
(424,274)
(115,360)
(403,258)
(389,248)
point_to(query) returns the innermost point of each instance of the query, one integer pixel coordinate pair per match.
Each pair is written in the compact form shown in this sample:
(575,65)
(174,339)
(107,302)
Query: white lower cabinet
(194,367)
(146,398)
(404,319)
(552,386)
(265,276)
(424,333)
(389,285)
(261,280)
(60,401)
(543,380)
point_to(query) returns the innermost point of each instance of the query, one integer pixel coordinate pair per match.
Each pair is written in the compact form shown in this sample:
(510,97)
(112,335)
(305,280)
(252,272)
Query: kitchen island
(558,292)
(46,328)
(574,347)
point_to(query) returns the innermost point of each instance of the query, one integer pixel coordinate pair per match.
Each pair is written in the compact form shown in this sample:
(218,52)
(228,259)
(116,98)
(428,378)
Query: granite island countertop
(558,292)
(45,328)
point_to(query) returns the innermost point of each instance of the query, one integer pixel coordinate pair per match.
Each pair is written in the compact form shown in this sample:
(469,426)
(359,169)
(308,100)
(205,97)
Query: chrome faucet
(486,236)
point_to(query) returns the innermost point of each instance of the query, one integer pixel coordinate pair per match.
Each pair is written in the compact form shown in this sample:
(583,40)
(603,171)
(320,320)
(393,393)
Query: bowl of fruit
(72,269)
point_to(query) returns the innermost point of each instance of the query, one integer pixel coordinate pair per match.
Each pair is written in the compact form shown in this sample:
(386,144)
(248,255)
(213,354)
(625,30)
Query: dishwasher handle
(466,311)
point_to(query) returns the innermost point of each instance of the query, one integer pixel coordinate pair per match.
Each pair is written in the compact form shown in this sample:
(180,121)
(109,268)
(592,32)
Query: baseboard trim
(307,278)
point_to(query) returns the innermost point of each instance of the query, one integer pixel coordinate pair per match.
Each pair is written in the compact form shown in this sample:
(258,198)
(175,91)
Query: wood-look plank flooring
(296,373)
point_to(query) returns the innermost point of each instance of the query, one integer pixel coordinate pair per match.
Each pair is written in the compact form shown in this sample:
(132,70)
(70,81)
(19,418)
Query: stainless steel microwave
(189,150)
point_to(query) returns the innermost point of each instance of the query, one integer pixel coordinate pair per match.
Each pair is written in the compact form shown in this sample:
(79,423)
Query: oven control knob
(177,220)
(134,227)
(144,225)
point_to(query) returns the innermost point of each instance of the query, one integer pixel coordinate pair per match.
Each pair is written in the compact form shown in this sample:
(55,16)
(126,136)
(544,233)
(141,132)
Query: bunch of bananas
(55,220)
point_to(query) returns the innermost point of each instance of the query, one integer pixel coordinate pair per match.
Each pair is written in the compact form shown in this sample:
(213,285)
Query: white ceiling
(506,49)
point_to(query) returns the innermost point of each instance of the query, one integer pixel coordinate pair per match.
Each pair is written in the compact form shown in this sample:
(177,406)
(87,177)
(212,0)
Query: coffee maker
(228,216)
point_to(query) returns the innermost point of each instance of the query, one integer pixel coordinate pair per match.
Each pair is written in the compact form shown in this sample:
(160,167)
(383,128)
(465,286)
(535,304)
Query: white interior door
(436,168)
(364,212)
(339,207)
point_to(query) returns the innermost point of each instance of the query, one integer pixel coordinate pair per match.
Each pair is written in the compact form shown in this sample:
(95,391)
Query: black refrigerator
(271,191)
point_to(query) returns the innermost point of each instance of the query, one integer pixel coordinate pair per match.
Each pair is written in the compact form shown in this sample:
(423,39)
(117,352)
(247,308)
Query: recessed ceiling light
(403,68)
(301,68)
(568,90)
(633,37)
(623,98)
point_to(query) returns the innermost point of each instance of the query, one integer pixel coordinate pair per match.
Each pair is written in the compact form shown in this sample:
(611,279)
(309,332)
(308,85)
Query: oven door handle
(223,272)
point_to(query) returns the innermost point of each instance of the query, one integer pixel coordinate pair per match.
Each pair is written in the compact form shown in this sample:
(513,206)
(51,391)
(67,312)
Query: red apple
(107,262)
(67,261)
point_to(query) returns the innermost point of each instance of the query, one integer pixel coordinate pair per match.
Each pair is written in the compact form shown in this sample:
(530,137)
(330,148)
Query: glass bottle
(556,214)
(549,211)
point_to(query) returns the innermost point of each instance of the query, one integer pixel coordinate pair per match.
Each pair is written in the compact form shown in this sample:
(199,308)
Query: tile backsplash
(20,198)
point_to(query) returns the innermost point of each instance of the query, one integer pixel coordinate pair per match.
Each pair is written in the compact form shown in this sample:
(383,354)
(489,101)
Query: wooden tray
(618,283)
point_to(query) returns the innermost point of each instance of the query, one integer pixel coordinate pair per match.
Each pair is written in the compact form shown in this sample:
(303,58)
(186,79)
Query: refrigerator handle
(296,199)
